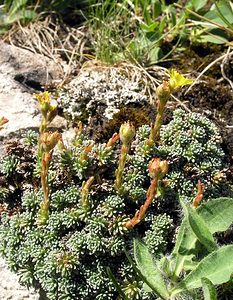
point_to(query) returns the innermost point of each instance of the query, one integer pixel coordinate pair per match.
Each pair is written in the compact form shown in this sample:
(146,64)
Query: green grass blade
(116,284)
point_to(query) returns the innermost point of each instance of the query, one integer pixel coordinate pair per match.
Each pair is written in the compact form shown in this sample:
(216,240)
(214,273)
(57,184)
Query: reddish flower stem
(199,196)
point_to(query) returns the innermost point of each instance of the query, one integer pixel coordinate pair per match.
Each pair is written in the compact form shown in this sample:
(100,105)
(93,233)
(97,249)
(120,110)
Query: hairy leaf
(218,216)
(225,10)
(200,229)
(217,213)
(198,4)
(217,267)
(148,268)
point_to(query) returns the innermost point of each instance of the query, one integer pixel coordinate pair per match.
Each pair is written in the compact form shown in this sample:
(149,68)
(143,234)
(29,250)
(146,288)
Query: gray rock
(10,288)
(22,73)
(29,69)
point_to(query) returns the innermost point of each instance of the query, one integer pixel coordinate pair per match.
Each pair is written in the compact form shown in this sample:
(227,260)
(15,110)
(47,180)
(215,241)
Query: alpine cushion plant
(96,198)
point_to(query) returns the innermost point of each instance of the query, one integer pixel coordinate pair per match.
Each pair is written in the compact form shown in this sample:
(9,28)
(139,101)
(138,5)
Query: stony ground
(10,289)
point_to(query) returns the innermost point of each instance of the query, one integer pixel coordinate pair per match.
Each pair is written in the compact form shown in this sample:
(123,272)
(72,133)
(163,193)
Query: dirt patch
(212,94)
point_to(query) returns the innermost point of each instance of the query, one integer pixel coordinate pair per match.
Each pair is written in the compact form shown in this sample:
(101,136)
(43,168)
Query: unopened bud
(199,196)
(158,167)
(49,140)
(112,140)
(3,121)
(154,167)
(127,133)
(163,92)
(52,113)
(85,152)
(163,167)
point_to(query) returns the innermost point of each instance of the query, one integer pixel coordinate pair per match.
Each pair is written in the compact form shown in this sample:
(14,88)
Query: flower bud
(84,154)
(163,92)
(112,140)
(163,167)
(199,196)
(49,140)
(127,133)
(3,121)
(52,113)
(158,167)
(154,167)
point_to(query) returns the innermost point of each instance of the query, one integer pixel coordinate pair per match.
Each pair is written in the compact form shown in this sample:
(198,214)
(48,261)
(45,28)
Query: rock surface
(22,73)
(101,92)
(10,289)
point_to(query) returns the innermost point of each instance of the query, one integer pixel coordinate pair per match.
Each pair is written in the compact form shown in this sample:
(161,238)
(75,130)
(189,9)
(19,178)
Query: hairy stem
(140,214)
(121,166)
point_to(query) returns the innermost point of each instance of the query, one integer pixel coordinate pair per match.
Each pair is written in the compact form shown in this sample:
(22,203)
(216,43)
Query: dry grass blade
(224,62)
(53,39)
(149,78)
(181,104)
(205,70)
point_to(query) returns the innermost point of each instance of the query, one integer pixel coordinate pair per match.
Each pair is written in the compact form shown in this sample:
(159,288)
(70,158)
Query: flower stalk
(157,170)
(164,92)
(126,134)
(48,141)
(46,144)
(199,196)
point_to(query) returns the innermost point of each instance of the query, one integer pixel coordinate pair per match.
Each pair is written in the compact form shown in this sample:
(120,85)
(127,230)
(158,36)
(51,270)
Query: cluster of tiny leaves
(9,165)
(191,144)
(155,237)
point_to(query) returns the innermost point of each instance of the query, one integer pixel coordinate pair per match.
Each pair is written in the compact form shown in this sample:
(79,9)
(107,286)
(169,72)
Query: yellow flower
(177,80)
(45,105)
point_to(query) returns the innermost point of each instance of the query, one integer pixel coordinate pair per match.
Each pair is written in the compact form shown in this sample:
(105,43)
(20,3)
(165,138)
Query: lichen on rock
(102,93)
